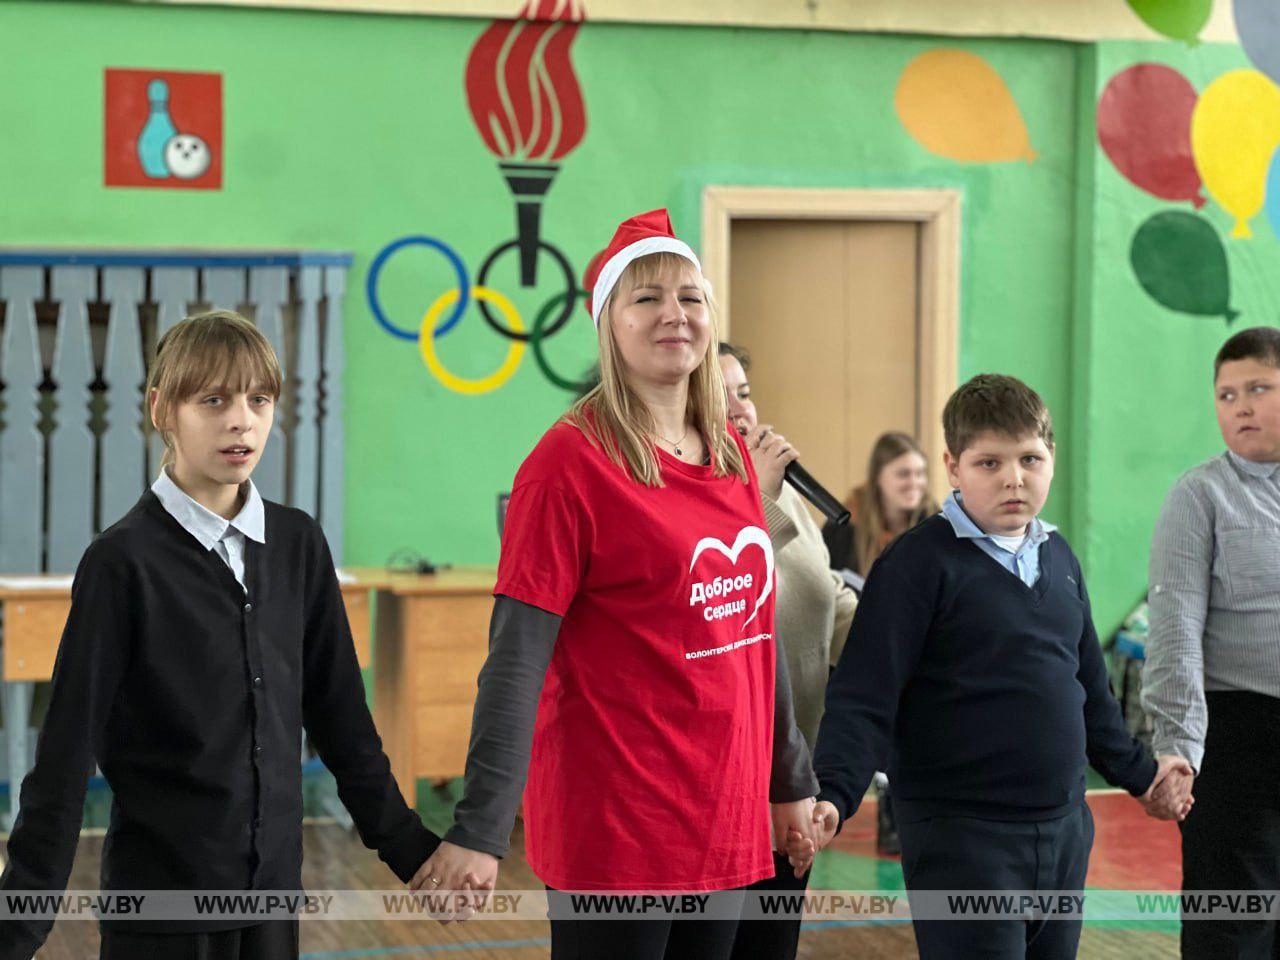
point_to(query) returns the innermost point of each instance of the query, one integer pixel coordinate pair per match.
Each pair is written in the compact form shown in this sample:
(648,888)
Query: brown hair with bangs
(215,349)
(996,403)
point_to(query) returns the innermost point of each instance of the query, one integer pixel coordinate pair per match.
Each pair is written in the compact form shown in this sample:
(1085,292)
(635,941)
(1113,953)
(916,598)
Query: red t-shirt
(654,738)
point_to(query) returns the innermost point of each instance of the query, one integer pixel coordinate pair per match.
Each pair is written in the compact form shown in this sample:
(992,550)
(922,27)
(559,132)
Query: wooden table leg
(392,713)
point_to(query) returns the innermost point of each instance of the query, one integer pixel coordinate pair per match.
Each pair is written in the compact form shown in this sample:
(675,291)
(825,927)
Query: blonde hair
(614,418)
(218,348)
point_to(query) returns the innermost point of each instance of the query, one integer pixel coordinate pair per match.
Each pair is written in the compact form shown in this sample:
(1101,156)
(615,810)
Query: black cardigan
(192,695)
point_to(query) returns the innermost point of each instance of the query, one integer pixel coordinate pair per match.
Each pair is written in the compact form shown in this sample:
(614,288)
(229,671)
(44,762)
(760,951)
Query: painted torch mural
(528,108)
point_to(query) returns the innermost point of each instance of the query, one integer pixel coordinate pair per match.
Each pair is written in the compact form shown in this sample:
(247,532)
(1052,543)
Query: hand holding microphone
(770,452)
(776,460)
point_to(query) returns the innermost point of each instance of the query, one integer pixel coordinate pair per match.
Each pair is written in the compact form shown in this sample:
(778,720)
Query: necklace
(674,444)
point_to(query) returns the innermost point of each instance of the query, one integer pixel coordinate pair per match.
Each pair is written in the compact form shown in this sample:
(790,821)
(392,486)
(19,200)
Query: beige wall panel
(1063,19)
(882,349)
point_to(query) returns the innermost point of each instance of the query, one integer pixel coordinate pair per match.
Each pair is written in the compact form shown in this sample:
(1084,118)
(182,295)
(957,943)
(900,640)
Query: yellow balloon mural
(1235,130)
(956,105)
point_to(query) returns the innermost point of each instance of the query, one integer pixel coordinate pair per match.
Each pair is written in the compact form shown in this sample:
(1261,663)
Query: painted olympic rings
(447,311)
(538,335)
(451,380)
(570,285)
(375,270)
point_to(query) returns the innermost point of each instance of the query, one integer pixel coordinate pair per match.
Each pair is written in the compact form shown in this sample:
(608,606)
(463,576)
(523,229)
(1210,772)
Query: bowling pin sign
(156,132)
(162,128)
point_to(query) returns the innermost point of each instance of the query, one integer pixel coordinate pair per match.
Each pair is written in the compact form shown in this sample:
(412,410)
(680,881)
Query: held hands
(802,847)
(789,818)
(1169,796)
(456,871)
(770,453)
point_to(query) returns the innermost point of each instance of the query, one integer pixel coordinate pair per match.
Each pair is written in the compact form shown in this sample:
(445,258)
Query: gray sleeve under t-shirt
(522,638)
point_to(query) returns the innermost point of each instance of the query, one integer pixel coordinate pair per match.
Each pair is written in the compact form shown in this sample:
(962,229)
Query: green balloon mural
(1179,260)
(1179,19)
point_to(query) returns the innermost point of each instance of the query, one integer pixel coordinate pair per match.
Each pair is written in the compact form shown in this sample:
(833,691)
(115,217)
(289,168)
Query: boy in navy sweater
(974,669)
(206,630)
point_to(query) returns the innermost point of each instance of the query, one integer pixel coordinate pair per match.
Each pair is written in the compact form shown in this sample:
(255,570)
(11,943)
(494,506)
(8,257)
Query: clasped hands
(1169,796)
(464,877)
(803,828)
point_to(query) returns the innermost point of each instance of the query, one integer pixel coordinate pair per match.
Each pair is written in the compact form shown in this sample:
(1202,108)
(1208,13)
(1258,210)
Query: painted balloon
(1258,25)
(1273,194)
(1179,260)
(1179,19)
(954,104)
(1144,125)
(1235,129)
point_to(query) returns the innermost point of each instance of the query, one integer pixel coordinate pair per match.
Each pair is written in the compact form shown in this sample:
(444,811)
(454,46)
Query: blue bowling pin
(159,128)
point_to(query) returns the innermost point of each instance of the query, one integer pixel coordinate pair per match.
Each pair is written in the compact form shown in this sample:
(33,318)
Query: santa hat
(637,237)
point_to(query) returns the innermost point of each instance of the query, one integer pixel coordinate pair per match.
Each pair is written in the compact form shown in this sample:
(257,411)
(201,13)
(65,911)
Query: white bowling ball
(187,156)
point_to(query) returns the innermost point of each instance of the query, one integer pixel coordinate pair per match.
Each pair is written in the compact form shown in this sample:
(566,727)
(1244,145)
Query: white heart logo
(746,536)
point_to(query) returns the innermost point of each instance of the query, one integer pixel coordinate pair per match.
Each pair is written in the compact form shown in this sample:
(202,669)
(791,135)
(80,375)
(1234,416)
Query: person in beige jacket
(813,613)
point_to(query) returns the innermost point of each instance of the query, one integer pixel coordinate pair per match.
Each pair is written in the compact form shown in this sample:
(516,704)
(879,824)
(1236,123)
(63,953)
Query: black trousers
(1231,838)
(273,940)
(964,853)
(775,939)
(639,939)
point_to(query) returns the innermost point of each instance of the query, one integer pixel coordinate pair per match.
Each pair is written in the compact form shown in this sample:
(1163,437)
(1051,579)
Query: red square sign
(162,128)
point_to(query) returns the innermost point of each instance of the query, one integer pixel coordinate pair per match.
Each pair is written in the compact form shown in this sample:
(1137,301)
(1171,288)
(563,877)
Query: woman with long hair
(814,611)
(894,498)
(632,652)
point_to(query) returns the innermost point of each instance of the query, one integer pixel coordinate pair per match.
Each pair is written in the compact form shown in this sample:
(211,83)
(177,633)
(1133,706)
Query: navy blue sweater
(986,697)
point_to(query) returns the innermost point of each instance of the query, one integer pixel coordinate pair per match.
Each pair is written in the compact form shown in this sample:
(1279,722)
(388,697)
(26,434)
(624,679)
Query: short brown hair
(996,403)
(218,348)
(1256,343)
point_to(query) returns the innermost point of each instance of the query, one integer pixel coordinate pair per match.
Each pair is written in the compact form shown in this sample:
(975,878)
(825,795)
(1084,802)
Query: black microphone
(815,493)
(812,490)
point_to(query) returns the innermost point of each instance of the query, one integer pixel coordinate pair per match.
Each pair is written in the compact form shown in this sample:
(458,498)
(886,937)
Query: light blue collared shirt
(224,537)
(1023,563)
(1254,468)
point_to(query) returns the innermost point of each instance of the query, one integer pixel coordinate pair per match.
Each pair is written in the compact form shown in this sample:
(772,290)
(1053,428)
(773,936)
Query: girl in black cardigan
(206,630)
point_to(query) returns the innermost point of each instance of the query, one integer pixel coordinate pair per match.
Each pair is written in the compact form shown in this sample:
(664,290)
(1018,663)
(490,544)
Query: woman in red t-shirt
(637,581)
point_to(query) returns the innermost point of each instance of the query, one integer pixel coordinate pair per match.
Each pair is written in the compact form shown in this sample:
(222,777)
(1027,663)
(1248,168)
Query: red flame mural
(527,106)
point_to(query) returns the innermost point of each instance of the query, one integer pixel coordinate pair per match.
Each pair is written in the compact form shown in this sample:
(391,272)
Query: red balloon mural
(1144,125)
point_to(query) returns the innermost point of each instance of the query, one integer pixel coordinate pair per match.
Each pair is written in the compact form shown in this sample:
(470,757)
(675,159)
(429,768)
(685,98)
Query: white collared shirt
(224,537)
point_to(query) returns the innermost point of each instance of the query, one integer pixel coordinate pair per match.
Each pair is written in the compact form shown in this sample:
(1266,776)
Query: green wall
(1146,394)
(346,132)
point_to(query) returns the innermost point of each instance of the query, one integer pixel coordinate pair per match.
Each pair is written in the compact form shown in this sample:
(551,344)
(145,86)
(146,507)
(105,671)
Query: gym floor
(1130,852)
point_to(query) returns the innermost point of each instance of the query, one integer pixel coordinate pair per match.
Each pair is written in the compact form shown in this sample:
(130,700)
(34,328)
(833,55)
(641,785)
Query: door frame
(938,212)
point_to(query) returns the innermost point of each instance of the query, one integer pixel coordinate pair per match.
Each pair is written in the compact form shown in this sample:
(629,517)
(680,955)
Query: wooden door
(829,311)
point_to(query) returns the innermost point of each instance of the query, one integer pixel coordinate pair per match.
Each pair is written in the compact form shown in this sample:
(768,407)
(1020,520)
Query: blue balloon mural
(1258,24)
(1273,194)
